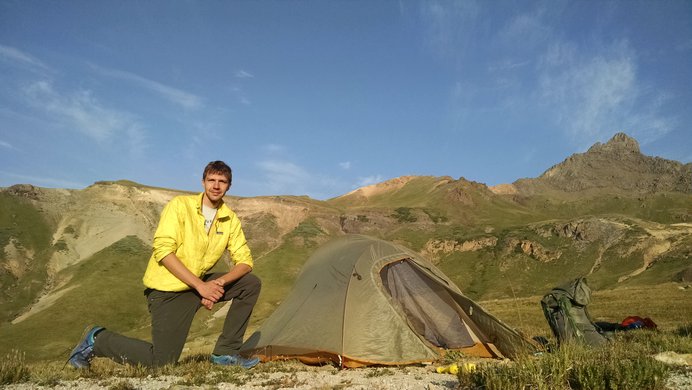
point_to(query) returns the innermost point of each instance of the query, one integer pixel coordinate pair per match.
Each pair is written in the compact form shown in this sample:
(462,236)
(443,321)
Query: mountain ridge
(617,164)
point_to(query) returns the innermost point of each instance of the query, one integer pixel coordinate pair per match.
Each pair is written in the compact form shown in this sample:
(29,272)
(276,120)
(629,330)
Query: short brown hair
(219,167)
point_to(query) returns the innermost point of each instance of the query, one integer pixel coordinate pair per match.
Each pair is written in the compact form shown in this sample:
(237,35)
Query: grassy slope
(105,289)
(611,305)
(456,201)
(279,268)
(661,207)
(22,222)
(499,272)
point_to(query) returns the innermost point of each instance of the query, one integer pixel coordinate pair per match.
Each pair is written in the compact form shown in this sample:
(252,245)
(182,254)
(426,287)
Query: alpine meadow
(618,217)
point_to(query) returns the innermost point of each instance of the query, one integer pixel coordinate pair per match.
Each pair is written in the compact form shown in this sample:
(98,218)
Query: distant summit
(617,165)
(620,143)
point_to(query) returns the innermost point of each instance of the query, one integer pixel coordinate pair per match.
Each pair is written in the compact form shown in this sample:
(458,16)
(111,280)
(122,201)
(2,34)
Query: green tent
(364,301)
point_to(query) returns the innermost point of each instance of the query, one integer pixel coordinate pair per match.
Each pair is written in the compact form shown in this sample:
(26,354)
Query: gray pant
(171,317)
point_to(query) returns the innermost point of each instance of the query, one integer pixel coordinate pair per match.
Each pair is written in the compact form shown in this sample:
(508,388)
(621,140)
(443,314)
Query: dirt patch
(504,189)
(650,256)
(44,302)
(14,252)
(287,215)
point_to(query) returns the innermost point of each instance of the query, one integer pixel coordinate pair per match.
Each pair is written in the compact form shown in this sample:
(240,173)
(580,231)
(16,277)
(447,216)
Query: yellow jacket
(181,231)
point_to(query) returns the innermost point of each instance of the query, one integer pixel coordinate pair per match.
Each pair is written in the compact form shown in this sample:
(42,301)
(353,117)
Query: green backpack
(565,309)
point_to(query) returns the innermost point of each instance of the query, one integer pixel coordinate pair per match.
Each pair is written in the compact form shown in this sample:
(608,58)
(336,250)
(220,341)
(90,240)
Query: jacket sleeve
(167,234)
(237,244)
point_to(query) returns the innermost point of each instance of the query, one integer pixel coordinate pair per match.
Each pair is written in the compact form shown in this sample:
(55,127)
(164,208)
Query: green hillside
(106,289)
(25,232)
(69,259)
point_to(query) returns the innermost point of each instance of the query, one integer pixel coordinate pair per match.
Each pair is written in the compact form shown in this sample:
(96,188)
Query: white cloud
(369,180)
(284,177)
(81,112)
(184,99)
(6,145)
(283,170)
(597,95)
(590,95)
(43,181)
(507,64)
(449,25)
(241,74)
(136,138)
(345,165)
(558,54)
(279,174)
(240,95)
(526,30)
(273,148)
(648,125)
(19,57)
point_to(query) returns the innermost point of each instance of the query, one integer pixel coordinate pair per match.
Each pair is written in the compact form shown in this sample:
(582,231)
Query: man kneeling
(193,233)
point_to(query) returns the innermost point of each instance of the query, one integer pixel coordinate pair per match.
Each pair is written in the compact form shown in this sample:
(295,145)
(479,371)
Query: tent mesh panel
(430,309)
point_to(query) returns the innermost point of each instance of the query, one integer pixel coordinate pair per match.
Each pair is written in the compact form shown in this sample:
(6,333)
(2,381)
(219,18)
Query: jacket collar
(221,211)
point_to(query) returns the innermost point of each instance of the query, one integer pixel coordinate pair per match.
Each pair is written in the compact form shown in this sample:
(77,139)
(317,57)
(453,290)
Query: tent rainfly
(363,301)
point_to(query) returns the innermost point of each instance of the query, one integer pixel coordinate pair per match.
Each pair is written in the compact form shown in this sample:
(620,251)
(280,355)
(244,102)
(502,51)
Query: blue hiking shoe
(234,360)
(81,354)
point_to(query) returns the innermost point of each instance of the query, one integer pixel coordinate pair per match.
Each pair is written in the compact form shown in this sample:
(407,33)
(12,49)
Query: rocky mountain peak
(620,143)
(616,165)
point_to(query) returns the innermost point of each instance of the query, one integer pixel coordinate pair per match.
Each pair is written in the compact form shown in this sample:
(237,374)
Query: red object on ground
(634,322)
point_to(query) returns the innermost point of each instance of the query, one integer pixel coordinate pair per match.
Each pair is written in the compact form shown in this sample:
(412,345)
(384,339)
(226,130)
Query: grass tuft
(13,368)
(122,385)
(684,330)
(626,363)
(377,372)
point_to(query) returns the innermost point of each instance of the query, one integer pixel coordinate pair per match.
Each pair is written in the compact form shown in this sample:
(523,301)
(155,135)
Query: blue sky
(321,97)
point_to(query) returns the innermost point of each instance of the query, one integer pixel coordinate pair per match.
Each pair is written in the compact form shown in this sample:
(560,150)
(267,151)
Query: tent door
(428,306)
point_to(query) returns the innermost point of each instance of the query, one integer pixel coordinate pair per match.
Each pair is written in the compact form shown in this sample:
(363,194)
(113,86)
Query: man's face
(215,187)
